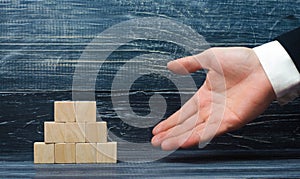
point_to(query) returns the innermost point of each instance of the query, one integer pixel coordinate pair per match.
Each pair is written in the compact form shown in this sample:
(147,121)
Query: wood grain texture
(86,153)
(74,132)
(64,153)
(43,153)
(64,111)
(41,42)
(107,152)
(197,169)
(96,132)
(85,111)
(54,132)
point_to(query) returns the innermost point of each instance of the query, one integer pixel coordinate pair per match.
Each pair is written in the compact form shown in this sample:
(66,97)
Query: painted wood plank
(41,42)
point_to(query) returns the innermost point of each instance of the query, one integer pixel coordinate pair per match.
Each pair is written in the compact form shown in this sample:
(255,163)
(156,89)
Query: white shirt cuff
(280,69)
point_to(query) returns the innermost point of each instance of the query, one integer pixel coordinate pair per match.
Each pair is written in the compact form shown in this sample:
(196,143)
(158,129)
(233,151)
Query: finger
(201,135)
(216,125)
(187,139)
(187,125)
(190,64)
(186,111)
(213,125)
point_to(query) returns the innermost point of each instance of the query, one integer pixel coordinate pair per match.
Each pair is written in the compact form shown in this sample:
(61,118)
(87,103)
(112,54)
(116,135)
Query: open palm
(236,91)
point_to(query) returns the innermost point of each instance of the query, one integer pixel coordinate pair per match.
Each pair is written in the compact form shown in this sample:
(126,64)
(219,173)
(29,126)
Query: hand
(236,91)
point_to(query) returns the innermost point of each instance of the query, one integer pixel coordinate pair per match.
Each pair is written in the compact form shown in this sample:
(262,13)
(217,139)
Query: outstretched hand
(236,91)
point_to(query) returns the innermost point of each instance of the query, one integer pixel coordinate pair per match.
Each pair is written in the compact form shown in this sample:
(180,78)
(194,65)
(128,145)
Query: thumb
(189,64)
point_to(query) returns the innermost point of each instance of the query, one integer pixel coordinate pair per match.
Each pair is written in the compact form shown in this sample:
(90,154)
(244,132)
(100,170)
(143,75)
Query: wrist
(266,87)
(280,70)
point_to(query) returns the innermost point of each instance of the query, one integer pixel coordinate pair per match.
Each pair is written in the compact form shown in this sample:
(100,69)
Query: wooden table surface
(181,164)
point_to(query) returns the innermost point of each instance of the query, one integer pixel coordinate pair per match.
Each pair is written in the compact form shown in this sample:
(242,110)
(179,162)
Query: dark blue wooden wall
(41,41)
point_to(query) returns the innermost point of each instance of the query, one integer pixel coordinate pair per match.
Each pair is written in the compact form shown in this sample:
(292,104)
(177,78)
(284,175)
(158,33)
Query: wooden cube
(86,111)
(86,153)
(107,152)
(64,153)
(96,132)
(43,153)
(54,132)
(74,132)
(64,111)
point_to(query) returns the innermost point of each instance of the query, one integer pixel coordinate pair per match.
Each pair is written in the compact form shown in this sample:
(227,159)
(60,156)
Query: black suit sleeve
(291,42)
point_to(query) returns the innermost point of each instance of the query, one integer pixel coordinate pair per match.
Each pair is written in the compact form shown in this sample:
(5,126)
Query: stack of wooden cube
(75,136)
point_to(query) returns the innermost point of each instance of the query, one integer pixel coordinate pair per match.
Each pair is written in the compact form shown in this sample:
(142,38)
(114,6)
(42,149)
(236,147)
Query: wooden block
(64,111)
(86,153)
(43,153)
(86,111)
(96,132)
(107,152)
(64,153)
(54,132)
(74,132)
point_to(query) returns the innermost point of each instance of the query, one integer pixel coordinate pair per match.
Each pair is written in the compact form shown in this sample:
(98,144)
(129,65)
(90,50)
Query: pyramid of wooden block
(75,136)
